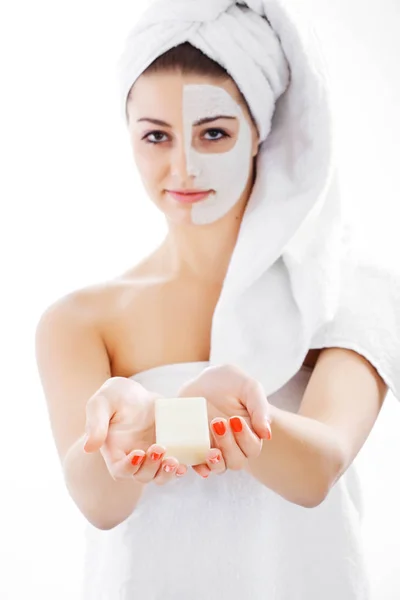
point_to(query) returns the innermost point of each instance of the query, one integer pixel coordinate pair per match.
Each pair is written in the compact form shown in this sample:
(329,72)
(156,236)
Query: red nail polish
(169,468)
(236,424)
(216,459)
(136,460)
(219,428)
(155,456)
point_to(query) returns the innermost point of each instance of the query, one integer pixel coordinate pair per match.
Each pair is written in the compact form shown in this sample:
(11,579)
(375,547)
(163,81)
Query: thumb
(98,417)
(258,407)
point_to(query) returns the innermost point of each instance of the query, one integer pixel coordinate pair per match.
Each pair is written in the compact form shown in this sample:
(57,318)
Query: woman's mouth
(189,198)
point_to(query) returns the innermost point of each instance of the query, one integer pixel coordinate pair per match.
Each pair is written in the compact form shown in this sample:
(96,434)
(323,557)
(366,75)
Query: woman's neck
(202,252)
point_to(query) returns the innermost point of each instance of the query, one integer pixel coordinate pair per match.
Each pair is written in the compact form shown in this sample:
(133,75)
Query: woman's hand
(238,413)
(120,422)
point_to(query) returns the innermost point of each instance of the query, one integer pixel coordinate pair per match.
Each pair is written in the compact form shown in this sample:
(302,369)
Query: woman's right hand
(120,423)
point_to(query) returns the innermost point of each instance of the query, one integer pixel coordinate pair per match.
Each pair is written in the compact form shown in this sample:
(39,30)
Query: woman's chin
(182,219)
(180,214)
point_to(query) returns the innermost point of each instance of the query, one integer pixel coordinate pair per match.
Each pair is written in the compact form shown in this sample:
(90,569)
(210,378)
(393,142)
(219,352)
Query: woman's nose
(183,165)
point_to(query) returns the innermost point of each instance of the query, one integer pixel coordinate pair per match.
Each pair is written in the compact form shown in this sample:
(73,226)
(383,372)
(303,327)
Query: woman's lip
(189,197)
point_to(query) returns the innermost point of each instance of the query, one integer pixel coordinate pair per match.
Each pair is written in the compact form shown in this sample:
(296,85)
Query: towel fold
(294,281)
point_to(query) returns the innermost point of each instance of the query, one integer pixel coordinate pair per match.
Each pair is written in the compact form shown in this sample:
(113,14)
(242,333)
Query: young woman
(281,520)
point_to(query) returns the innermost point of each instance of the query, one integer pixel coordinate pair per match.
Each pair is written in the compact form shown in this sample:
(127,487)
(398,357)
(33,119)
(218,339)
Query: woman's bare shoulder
(104,300)
(100,300)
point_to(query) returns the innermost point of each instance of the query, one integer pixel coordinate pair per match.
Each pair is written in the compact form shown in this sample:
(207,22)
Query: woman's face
(183,152)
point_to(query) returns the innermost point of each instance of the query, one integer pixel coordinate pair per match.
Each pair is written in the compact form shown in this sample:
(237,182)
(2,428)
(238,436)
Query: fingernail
(137,459)
(215,459)
(169,468)
(236,424)
(204,476)
(219,428)
(155,456)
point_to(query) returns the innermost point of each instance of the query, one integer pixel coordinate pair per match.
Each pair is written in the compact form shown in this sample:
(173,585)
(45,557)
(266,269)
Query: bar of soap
(182,428)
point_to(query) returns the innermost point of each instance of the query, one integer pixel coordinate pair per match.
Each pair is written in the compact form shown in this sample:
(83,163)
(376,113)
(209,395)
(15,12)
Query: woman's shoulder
(104,299)
(122,310)
(105,302)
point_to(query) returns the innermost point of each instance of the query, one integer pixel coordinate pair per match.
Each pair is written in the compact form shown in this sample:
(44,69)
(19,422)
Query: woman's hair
(189,60)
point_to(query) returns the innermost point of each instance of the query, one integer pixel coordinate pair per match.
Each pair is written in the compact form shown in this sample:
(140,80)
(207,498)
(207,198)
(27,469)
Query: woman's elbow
(103,524)
(312,501)
(323,480)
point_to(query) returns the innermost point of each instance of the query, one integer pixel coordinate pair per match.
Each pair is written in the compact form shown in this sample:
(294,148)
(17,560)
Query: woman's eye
(224,134)
(157,136)
(154,133)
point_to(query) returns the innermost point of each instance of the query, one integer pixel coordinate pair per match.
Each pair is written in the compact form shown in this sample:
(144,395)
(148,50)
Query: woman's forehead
(170,92)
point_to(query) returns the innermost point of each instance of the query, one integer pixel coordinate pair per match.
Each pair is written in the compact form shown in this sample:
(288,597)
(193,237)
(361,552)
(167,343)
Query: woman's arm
(73,363)
(310,450)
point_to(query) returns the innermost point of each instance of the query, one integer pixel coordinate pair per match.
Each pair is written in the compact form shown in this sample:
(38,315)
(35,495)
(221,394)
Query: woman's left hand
(239,416)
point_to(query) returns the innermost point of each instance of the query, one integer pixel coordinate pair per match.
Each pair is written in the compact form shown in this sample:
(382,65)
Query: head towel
(294,282)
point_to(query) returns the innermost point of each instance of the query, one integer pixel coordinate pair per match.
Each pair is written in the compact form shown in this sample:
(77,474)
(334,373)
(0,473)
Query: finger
(249,443)
(226,442)
(151,464)
(129,465)
(98,415)
(167,471)
(254,399)
(229,380)
(203,470)
(216,462)
(181,470)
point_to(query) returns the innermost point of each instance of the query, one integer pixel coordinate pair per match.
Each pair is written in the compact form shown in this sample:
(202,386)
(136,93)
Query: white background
(73,213)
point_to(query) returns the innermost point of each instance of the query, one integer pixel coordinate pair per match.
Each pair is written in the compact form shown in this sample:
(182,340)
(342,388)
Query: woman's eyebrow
(210,119)
(155,121)
(196,123)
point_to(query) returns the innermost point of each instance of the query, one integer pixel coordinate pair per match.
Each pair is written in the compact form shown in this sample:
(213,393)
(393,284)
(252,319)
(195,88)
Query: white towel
(294,282)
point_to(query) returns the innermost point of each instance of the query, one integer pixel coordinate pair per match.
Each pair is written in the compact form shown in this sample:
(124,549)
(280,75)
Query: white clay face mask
(226,173)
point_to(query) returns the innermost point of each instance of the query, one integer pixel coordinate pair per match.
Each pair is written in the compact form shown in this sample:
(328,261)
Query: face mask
(225,173)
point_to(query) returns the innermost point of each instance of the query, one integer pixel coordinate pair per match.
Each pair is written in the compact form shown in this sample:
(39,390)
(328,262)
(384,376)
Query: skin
(338,410)
(112,421)
(189,250)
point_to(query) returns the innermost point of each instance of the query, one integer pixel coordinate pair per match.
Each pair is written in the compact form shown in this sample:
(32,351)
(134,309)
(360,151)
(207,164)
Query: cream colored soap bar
(182,428)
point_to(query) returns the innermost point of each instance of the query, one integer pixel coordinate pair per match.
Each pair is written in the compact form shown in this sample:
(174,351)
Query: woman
(282,519)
